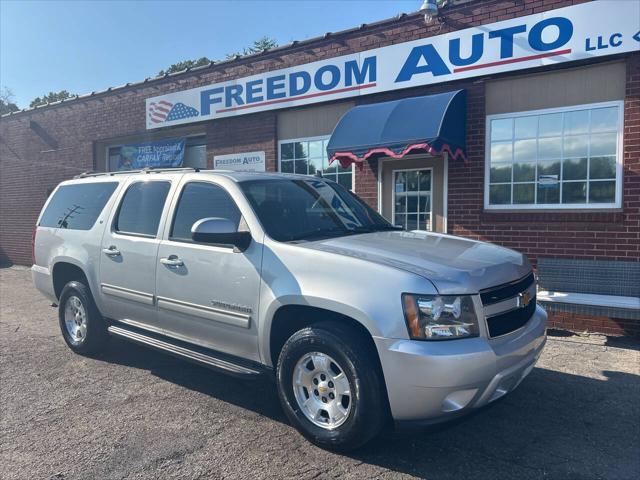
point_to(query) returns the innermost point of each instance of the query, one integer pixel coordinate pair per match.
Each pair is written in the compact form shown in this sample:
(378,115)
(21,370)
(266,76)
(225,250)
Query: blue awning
(433,124)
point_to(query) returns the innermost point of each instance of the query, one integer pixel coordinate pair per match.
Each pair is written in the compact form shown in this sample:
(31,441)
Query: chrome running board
(194,354)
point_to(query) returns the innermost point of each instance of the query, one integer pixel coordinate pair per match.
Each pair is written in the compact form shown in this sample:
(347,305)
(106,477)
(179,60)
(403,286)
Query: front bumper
(434,381)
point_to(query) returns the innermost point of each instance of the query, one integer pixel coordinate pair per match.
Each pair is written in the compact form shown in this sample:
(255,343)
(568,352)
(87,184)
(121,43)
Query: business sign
(247,162)
(579,32)
(161,153)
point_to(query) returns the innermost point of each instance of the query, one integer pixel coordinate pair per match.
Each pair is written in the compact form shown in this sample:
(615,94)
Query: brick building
(549,163)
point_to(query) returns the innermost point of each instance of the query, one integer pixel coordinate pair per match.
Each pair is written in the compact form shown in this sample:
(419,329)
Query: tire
(344,346)
(76,305)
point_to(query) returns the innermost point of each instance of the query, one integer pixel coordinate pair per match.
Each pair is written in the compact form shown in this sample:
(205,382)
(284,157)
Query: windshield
(310,209)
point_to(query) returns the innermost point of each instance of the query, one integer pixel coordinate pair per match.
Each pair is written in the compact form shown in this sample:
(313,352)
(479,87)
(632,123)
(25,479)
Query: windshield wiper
(382,228)
(315,234)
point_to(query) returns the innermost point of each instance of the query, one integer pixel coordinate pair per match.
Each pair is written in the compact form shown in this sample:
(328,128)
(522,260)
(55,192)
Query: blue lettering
(434,63)
(207,99)
(333,81)
(272,86)
(615,40)
(506,39)
(565,31)
(351,71)
(233,93)
(294,89)
(601,43)
(477,43)
(254,89)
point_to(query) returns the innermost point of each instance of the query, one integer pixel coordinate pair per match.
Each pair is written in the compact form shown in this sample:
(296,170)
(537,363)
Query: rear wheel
(83,328)
(330,387)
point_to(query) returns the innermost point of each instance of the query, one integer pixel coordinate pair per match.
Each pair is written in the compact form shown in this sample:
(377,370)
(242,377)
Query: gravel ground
(134,413)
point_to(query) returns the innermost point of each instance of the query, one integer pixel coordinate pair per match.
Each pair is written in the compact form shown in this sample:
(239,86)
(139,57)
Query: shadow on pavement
(555,425)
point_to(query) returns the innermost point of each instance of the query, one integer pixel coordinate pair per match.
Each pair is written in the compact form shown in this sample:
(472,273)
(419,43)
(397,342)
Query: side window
(76,207)
(141,208)
(201,200)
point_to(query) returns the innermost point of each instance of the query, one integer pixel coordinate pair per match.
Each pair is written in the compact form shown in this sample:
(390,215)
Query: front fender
(367,292)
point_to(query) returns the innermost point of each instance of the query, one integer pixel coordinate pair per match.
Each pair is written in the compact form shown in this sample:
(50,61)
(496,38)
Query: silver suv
(293,277)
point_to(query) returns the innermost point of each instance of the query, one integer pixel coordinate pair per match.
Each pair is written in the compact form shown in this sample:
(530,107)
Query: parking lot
(134,413)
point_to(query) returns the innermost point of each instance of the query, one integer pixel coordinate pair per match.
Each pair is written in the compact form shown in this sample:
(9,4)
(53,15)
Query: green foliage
(261,45)
(6,103)
(178,67)
(51,97)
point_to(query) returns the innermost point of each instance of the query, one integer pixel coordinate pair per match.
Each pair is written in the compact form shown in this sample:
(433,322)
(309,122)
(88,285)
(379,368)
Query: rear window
(76,207)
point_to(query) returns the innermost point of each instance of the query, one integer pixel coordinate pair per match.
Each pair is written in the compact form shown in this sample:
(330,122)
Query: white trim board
(592,299)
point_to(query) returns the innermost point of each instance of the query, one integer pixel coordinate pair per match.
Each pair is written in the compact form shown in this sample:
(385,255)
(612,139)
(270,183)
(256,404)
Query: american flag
(163,111)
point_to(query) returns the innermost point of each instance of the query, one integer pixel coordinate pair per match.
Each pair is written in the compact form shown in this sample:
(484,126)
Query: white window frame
(557,206)
(313,139)
(393,195)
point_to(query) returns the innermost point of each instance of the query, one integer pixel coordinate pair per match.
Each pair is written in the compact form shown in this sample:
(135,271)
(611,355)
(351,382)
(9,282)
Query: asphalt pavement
(132,413)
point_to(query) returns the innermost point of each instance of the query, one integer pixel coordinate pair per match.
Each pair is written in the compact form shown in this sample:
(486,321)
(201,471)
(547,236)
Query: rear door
(129,250)
(208,294)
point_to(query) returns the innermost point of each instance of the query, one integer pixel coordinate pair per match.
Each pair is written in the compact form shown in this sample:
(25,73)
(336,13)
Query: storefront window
(559,158)
(308,155)
(195,154)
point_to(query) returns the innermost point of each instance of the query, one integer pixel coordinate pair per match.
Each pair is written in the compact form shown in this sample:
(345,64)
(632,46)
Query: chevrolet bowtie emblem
(524,299)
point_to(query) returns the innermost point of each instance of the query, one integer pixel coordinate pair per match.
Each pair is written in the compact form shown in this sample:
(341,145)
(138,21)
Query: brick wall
(606,325)
(40,148)
(31,165)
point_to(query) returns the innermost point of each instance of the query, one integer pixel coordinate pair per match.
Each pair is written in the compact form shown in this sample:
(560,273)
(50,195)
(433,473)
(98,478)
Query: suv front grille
(510,321)
(506,291)
(505,312)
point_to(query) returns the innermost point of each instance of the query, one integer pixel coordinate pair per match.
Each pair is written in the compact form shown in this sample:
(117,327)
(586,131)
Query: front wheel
(330,386)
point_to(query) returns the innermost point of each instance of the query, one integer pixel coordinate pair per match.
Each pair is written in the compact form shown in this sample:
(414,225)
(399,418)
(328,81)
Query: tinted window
(201,200)
(141,208)
(310,209)
(77,207)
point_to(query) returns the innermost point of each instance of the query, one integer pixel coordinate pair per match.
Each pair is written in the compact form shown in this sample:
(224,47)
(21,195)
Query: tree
(261,45)
(6,103)
(51,97)
(178,67)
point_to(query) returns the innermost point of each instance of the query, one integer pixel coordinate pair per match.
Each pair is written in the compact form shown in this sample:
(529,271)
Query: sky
(84,46)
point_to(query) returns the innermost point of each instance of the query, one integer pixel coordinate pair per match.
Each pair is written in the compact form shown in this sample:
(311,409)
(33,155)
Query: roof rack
(143,170)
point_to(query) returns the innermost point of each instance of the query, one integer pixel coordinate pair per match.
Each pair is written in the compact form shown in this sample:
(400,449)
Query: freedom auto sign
(580,32)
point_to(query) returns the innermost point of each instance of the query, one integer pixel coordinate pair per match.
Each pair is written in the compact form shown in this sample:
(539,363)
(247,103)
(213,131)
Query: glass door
(412,199)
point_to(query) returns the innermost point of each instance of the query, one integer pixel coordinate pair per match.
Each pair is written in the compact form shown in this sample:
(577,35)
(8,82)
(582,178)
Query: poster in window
(156,154)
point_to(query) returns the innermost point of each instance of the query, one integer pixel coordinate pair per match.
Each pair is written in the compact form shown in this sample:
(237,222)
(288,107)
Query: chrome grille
(509,307)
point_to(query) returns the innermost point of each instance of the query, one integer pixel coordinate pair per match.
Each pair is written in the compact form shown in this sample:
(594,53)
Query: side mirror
(220,231)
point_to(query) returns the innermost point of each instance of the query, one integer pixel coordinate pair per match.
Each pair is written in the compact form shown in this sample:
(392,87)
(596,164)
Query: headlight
(436,317)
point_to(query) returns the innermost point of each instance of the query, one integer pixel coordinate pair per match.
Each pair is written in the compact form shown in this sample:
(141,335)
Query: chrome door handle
(112,251)
(172,261)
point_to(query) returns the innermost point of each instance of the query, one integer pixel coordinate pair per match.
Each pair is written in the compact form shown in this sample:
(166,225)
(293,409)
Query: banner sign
(247,162)
(589,30)
(160,153)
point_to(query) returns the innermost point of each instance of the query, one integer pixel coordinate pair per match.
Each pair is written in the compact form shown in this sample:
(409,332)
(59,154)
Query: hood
(454,265)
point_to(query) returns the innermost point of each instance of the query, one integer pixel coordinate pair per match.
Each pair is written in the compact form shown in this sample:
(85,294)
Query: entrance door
(413,192)
(412,199)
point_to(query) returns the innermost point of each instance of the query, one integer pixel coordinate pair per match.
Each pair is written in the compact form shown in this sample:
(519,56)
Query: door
(413,192)
(208,294)
(129,251)
(412,206)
